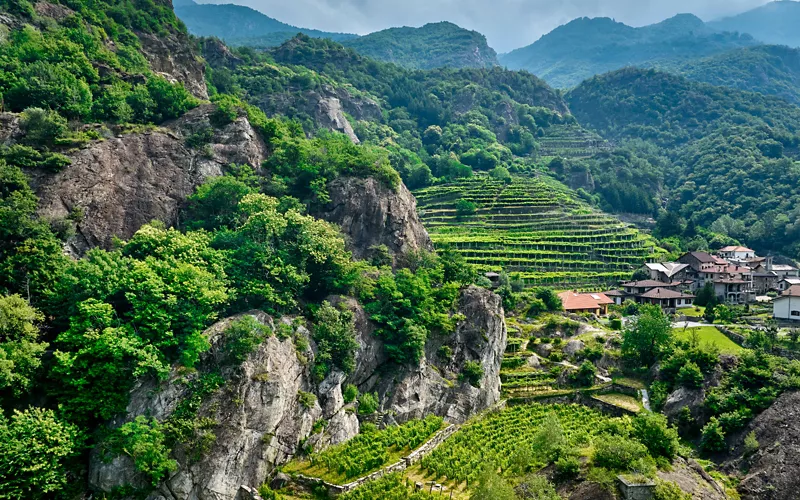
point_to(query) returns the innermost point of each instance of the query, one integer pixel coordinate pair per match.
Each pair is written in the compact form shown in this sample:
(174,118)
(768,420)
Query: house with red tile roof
(594,303)
(787,306)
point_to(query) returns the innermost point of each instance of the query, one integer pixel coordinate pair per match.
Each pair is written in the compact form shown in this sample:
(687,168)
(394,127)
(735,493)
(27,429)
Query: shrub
(653,430)
(267,493)
(445,353)
(617,453)
(750,444)
(713,437)
(42,127)
(690,376)
(584,376)
(368,403)
(243,336)
(473,373)
(465,208)
(334,333)
(35,447)
(143,440)
(350,393)
(568,467)
(306,399)
(666,490)
(615,324)
(536,487)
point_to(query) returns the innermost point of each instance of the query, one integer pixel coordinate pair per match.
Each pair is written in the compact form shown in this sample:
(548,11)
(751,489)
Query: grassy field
(710,334)
(629,403)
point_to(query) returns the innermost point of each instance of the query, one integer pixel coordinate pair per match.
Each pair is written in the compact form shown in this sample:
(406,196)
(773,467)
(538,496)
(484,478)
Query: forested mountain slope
(775,22)
(240,25)
(767,69)
(735,153)
(435,45)
(586,47)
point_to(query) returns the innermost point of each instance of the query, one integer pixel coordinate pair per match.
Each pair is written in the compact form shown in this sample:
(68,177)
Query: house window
(796,313)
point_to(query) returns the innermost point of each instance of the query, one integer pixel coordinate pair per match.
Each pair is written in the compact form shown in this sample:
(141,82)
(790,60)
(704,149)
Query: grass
(693,311)
(624,401)
(629,382)
(710,335)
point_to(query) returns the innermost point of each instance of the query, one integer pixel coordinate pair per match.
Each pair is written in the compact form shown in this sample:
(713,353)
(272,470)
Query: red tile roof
(793,291)
(580,301)
(663,293)
(735,249)
(649,284)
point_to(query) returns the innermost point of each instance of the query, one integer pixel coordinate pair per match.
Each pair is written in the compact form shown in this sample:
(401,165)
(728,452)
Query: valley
(245,260)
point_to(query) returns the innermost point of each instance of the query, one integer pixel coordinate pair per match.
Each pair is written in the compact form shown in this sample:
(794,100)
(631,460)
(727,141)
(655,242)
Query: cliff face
(372,214)
(126,181)
(260,422)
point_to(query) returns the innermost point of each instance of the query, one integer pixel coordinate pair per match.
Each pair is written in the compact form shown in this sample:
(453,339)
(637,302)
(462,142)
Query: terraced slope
(571,141)
(537,227)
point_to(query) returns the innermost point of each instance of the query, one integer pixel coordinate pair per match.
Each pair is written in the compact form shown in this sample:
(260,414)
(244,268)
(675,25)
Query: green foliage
(185,427)
(648,337)
(713,438)
(492,486)
(653,430)
(42,127)
(666,490)
(306,399)
(350,393)
(473,373)
(751,444)
(465,208)
(35,450)
(243,336)
(368,403)
(390,487)
(568,467)
(142,440)
(585,374)
(536,487)
(690,376)
(21,347)
(28,157)
(551,300)
(334,333)
(619,453)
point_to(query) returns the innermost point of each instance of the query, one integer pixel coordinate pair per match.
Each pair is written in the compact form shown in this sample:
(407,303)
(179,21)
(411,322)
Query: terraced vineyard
(537,227)
(570,141)
(497,437)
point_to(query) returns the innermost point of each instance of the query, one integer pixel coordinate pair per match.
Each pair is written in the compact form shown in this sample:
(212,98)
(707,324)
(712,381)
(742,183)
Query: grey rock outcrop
(172,56)
(329,114)
(260,422)
(771,472)
(126,181)
(370,214)
(573,347)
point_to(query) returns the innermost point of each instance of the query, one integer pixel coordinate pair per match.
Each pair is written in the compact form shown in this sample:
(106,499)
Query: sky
(507,24)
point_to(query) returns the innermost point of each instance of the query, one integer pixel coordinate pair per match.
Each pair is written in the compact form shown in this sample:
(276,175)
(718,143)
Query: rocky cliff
(371,214)
(771,472)
(257,416)
(126,181)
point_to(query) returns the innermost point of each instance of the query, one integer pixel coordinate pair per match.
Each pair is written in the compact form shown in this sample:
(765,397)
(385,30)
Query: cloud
(508,24)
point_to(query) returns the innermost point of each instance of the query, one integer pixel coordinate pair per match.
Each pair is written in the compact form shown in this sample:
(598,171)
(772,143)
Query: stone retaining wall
(412,458)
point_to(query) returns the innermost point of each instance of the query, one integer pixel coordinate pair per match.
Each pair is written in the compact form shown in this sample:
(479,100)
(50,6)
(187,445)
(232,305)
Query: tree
(500,174)
(35,449)
(536,487)
(473,373)
(551,300)
(705,295)
(465,208)
(713,437)
(690,376)
(548,439)
(143,440)
(584,375)
(653,430)
(334,333)
(492,487)
(20,345)
(648,337)
(42,127)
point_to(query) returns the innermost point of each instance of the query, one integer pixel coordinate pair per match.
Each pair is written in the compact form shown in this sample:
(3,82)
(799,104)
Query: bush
(615,324)
(473,373)
(243,336)
(750,444)
(143,440)
(653,430)
(368,403)
(713,437)
(584,376)
(536,487)
(35,447)
(42,127)
(666,490)
(306,399)
(445,353)
(690,376)
(350,393)
(568,467)
(465,208)
(617,453)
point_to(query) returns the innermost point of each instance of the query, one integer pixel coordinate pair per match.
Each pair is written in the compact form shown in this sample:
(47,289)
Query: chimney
(769,263)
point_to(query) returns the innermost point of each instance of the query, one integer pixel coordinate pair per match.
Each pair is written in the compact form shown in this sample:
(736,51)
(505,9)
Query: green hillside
(767,69)
(729,158)
(239,25)
(435,45)
(586,47)
(775,22)
(534,226)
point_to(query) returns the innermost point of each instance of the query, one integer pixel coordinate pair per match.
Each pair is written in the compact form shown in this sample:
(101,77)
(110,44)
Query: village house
(668,272)
(737,253)
(787,283)
(669,296)
(787,306)
(594,303)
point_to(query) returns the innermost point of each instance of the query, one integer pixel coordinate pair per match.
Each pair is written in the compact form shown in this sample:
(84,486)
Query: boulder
(543,350)
(573,347)
(683,397)
(534,361)
(124,182)
(371,214)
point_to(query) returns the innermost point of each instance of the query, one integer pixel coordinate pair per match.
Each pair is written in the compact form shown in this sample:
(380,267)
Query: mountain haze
(775,23)
(586,47)
(434,45)
(239,25)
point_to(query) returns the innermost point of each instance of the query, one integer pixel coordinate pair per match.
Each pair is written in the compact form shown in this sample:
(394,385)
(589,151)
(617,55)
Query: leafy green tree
(350,393)
(143,440)
(648,337)
(536,487)
(473,373)
(548,439)
(618,453)
(551,300)
(465,208)
(690,376)
(653,430)
(97,363)
(243,336)
(35,450)
(584,376)
(334,333)
(42,127)
(368,403)
(21,347)
(713,437)
(501,174)
(491,486)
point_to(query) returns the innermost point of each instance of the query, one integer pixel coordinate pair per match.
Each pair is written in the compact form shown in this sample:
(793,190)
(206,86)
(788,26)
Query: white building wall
(783,307)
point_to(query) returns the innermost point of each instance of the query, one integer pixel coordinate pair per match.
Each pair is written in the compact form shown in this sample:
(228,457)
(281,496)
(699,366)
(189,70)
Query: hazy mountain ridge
(775,23)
